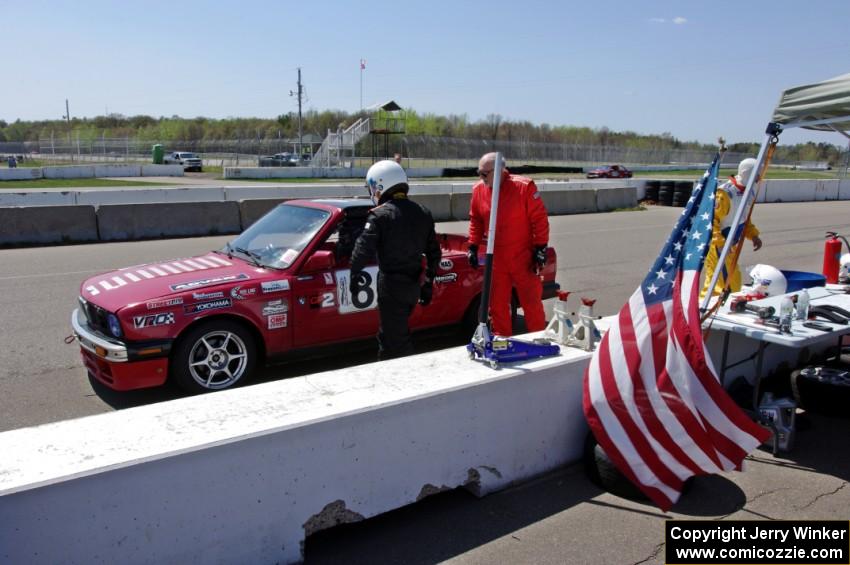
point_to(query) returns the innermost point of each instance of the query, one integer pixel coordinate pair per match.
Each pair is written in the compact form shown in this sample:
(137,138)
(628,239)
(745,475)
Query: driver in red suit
(519,252)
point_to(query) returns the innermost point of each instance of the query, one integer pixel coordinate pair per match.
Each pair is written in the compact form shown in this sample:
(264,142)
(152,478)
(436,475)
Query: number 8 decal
(365,289)
(365,298)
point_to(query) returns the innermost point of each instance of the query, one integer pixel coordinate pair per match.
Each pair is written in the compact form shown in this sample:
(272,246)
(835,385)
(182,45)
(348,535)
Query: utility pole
(300,95)
(67,117)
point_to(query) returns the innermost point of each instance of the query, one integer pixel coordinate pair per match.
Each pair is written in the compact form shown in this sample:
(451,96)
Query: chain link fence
(417,150)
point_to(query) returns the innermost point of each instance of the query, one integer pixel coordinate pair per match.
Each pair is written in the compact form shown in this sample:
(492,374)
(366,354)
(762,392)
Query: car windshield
(188,155)
(276,239)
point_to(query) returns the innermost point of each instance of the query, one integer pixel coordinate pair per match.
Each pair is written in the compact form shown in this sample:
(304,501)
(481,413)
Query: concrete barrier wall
(21,173)
(459,203)
(302,191)
(440,205)
(447,201)
(252,210)
(197,194)
(281,460)
(162,170)
(117,170)
(91,171)
(47,225)
(146,221)
(32,199)
(570,201)
(615,198)
(69,172)
(316,172)
(804,190)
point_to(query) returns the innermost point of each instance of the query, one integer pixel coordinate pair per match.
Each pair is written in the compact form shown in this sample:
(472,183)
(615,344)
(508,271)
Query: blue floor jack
(497,349)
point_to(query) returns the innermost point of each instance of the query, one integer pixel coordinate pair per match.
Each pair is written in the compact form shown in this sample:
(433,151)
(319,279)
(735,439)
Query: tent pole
(771,134)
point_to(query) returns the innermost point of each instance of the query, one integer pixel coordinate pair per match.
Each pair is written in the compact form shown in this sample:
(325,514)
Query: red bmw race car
(610,172)
(280,286)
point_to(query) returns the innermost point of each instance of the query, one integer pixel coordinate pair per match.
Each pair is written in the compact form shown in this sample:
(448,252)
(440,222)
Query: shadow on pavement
(445,525)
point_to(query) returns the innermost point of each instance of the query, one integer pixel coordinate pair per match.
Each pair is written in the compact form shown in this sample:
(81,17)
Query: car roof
(342,203)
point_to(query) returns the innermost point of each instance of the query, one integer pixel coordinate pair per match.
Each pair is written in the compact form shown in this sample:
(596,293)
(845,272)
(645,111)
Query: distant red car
(281,286)
(610,172)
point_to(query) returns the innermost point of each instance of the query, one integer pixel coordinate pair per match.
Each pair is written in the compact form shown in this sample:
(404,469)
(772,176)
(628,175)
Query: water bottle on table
(803,305)
(786,314)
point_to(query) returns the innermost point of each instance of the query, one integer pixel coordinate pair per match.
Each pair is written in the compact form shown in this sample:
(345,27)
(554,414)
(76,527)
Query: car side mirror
(321,260)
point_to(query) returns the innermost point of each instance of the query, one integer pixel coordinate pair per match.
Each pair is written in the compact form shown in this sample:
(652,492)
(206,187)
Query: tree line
(175,129)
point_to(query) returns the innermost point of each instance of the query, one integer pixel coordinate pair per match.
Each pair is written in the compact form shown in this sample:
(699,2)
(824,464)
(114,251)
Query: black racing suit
(400,231)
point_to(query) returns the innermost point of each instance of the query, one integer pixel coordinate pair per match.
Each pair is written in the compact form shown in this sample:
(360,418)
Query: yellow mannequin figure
(729,197)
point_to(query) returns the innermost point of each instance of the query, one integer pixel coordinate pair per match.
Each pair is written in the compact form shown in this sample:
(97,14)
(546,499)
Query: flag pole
(362,68)
(771,137)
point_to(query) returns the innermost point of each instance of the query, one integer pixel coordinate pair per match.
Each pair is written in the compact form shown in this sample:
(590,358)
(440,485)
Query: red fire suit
(521,225)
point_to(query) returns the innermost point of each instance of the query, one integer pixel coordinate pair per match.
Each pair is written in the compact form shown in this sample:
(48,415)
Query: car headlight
(114,325)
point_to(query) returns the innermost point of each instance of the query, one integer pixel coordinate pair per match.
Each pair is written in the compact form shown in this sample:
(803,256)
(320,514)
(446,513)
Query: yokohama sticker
(275,286)
(204,306)
(207,282)
(153,320)
(445,279)
(277,321)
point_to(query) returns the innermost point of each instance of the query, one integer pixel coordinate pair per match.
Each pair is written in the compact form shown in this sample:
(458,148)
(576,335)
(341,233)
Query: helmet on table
(768,280)
(385,178)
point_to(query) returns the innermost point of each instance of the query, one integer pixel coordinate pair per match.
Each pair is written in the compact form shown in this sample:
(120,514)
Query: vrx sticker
(153,320)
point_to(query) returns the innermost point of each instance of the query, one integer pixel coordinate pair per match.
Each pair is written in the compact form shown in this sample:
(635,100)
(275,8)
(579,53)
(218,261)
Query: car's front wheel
(214,355)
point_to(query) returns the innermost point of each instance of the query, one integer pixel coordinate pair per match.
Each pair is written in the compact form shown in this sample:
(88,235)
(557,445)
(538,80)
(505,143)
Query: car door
(324,311)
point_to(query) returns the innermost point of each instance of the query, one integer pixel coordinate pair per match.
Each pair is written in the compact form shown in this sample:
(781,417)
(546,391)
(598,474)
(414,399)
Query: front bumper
(116,364)
(108,349)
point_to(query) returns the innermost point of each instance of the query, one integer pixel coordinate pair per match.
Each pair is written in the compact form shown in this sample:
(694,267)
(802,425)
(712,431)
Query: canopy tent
(823,106)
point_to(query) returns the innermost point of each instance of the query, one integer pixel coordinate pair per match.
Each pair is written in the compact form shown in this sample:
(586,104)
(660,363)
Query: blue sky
(694,69)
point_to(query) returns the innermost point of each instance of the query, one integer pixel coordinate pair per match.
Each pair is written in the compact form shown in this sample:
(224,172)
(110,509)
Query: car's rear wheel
(214,355)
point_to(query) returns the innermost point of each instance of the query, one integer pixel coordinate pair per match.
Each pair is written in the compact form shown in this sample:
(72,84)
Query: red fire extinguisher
(832,256)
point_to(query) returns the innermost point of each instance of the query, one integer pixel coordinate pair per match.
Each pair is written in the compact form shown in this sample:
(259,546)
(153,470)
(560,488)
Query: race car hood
(154,281)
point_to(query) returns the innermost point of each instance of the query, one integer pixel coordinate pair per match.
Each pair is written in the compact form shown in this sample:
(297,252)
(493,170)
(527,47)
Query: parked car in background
(284,159)
(190,161)
(610,172)
(280,287)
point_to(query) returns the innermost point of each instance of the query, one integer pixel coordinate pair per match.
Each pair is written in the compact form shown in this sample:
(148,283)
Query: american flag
(651,395)
(362,64)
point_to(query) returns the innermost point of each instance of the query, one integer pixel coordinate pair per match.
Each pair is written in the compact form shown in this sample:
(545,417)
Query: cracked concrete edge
(333,514)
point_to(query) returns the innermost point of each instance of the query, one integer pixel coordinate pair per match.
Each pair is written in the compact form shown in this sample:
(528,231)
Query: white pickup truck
(190,161)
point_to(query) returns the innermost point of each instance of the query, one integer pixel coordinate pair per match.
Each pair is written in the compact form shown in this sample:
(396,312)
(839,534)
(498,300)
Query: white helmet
(768,280)
(383,177)
(844,268)
(745,169)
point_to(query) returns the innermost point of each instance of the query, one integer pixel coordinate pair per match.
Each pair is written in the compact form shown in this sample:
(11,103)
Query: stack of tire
(682,192)
(651,190)
(665,192)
